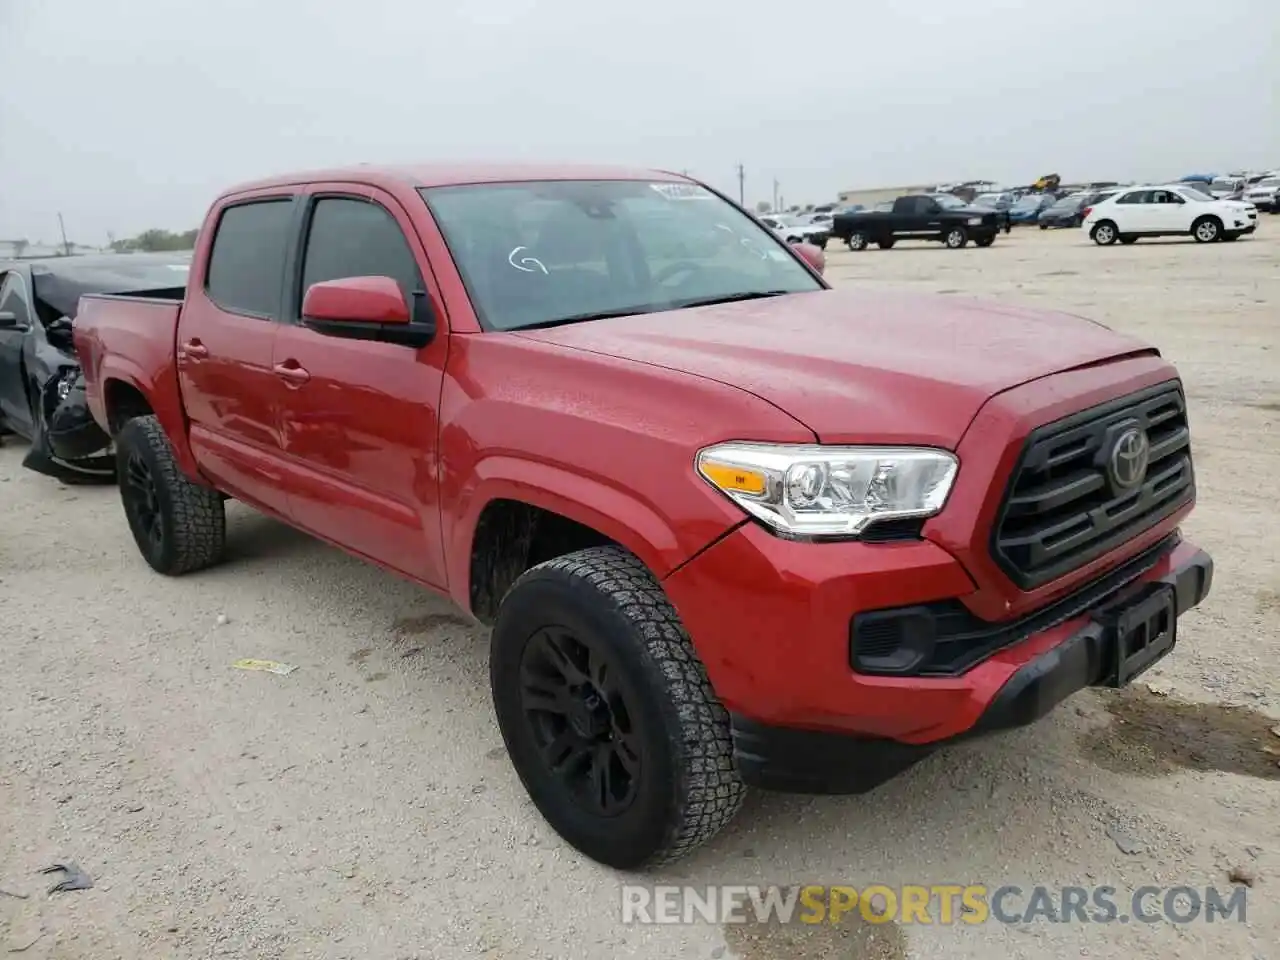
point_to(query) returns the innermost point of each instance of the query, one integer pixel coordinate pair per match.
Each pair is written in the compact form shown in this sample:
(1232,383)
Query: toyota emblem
(1129,459)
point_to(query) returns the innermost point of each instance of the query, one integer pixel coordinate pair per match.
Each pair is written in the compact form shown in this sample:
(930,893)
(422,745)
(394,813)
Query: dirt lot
(362,807)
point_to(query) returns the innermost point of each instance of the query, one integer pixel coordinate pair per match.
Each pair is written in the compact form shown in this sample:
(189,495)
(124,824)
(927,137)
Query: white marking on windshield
(524,263)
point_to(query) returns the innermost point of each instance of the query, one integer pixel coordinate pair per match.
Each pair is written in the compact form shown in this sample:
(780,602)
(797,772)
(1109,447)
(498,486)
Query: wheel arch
(520,513)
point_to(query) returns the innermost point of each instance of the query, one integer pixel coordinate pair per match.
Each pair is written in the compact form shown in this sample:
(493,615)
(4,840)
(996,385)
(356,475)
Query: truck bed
(128,342)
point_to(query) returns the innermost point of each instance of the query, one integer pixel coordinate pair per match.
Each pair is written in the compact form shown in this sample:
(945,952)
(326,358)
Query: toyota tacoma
(731,527)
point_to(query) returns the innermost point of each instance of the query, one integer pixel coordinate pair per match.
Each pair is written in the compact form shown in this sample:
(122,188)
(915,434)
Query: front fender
(614,512)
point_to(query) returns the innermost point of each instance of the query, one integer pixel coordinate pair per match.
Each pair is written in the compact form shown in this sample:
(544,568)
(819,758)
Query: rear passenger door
(226,332)
(360,419)
(1134,212)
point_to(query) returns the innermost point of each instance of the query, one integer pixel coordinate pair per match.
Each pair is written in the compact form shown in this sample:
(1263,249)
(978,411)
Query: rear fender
(161,393)
(611,511)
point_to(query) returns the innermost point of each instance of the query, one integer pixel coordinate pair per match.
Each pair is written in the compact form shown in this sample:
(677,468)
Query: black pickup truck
(945,219)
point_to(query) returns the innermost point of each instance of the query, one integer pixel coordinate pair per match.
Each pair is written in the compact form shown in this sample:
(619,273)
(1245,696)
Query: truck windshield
(548,252)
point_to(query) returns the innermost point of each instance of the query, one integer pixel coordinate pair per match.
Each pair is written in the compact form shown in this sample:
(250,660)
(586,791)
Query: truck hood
(858,366)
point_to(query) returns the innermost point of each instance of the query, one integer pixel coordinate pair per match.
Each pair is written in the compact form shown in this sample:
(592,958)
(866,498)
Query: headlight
(828,492)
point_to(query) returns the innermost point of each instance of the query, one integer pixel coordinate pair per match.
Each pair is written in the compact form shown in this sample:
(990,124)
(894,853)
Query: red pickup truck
(731,527)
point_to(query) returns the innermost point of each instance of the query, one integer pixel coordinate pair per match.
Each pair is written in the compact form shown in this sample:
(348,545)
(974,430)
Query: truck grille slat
(1065,507)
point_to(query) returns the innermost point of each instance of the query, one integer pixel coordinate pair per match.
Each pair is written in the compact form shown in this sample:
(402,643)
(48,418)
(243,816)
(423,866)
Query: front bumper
(1075,655)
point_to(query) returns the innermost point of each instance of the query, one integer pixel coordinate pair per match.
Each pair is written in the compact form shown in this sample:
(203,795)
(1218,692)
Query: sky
(134,114)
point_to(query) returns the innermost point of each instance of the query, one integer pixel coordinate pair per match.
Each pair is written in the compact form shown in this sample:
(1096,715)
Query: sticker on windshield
(680,191)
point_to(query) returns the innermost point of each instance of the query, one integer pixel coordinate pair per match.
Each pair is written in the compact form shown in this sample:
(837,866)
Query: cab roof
(456,174)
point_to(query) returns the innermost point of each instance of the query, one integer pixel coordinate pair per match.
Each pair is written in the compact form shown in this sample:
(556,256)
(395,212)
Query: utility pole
(742,181)
(66,247)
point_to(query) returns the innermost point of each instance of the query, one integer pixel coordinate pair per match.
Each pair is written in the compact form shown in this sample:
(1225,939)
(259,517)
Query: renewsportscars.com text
(940,904)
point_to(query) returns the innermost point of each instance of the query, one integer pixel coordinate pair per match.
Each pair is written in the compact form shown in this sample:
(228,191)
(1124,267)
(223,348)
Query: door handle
(291,373)
(194,350)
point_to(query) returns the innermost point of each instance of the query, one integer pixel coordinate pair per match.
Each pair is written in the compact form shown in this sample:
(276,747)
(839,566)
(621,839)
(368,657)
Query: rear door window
(246,264)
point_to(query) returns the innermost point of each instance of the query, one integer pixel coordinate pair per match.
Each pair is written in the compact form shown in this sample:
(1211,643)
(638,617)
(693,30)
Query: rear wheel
(886,244)
(179,526)
(1104,233)
(857,241)
(1207,230)
(1044,226)
(1128,238)
(1228,237)
(984,241)
(607,712)
(956,238)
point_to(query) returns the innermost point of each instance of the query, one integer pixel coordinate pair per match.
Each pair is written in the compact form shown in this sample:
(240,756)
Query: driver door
(15,301)
(1169,212)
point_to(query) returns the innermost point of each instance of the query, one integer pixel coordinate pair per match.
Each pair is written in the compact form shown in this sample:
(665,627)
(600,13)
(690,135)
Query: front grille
(1063,507)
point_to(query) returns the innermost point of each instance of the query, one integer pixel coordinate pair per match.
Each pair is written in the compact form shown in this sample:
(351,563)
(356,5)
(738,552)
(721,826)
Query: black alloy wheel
(580,721)
(142,502)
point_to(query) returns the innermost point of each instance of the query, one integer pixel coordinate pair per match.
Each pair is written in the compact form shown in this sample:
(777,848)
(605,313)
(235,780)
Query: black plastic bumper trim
(823,762)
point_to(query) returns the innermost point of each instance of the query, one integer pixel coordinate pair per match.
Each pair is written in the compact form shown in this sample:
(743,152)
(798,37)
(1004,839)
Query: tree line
(156,241)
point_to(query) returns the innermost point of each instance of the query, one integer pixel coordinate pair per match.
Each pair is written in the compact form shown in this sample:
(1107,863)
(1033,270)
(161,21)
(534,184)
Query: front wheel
(1104,233)
(1207,230)
(984,241)
(956,238)
(607,712)
(1228,237)
(179,526)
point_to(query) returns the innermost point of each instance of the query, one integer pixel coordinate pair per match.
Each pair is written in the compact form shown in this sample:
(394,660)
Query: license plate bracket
(1141,633)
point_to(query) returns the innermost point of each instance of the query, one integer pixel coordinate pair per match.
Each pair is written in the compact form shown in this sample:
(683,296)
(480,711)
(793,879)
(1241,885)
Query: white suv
(1167,211)
(1263,193)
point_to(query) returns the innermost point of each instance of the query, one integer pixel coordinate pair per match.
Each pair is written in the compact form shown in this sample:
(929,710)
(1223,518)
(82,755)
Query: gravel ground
(362,807)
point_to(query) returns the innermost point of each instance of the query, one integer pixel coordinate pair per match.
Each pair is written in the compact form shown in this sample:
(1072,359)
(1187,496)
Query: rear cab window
(246,262)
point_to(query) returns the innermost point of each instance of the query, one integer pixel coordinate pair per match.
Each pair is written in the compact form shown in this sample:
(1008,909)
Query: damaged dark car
(41,389)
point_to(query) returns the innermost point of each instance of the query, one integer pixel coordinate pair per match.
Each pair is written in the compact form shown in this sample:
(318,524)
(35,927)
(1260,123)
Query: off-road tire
(955,238)
(688,788)
(192,517)
(1104,233)
(1207,229)
(858,241)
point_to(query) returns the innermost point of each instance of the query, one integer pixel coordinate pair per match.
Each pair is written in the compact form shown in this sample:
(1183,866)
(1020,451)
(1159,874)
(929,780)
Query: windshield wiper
(584,317)
(730,298)
(649,308)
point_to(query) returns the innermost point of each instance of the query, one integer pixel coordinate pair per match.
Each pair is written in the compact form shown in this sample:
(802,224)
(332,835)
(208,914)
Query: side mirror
(812,255)
(8,320)
(368,308)
(355,300)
